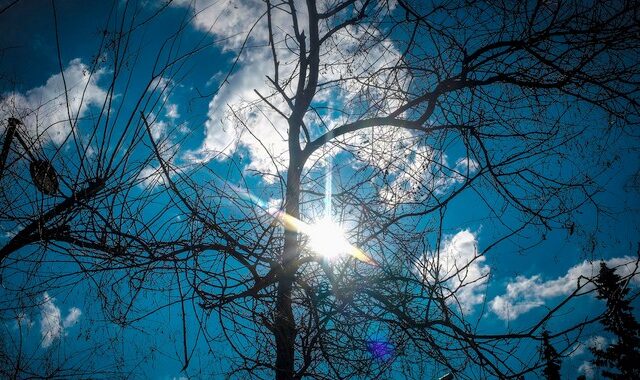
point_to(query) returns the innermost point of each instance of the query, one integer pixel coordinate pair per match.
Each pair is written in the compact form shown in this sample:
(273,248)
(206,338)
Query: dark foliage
(551,359)
(624,354)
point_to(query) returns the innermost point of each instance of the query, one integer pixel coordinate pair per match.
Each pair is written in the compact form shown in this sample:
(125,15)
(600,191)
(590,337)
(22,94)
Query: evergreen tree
(624,354)
(551,359)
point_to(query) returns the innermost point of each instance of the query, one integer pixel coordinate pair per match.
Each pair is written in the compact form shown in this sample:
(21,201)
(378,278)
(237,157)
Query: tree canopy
(621,359)
(318,189)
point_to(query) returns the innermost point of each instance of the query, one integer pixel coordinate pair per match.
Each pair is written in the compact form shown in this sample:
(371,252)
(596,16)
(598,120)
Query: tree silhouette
(551,358)
(327,255)
(624,354)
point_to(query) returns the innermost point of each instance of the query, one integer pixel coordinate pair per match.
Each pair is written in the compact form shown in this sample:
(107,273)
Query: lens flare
(380,348)
(325,237)
(328,240)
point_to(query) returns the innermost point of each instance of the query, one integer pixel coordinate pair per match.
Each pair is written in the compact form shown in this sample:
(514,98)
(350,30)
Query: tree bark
(285,326)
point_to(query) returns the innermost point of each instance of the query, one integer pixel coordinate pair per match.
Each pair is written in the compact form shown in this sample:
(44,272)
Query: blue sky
(507,287)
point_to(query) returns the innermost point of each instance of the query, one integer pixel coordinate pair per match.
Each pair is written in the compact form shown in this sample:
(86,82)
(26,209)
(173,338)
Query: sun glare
(327,239)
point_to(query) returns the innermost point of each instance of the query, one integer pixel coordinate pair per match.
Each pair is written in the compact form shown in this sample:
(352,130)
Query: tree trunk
(285,326)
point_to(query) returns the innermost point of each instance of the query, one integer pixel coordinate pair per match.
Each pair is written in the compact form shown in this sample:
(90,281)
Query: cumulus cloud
(237,116)
(358,82)
(172,111)
(153,174)
(466,166)
(52,326)
(412,172)
(44,110)
(459,268)
(71,318)
(158,129)
(596,341)
(228,19)
(526,293)
(587,369)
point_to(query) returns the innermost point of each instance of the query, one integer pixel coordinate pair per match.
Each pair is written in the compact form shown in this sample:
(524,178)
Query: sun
(327,239)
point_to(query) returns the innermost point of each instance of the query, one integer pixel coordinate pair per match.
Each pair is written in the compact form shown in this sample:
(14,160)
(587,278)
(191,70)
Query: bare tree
(369,100)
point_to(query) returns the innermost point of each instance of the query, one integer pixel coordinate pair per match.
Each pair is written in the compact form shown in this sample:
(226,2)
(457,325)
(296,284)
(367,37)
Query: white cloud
(184,128)
(595,341)
(587,369)
(44,111)
(152,175)
(161,84)
(526,293)
(412,171)
(466,166)
(52,326)
(357,59)
(23,320)
(238,118)
(228,19)
(9,234)
(71,318)
(158,129)
(172,111)
(458,268)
